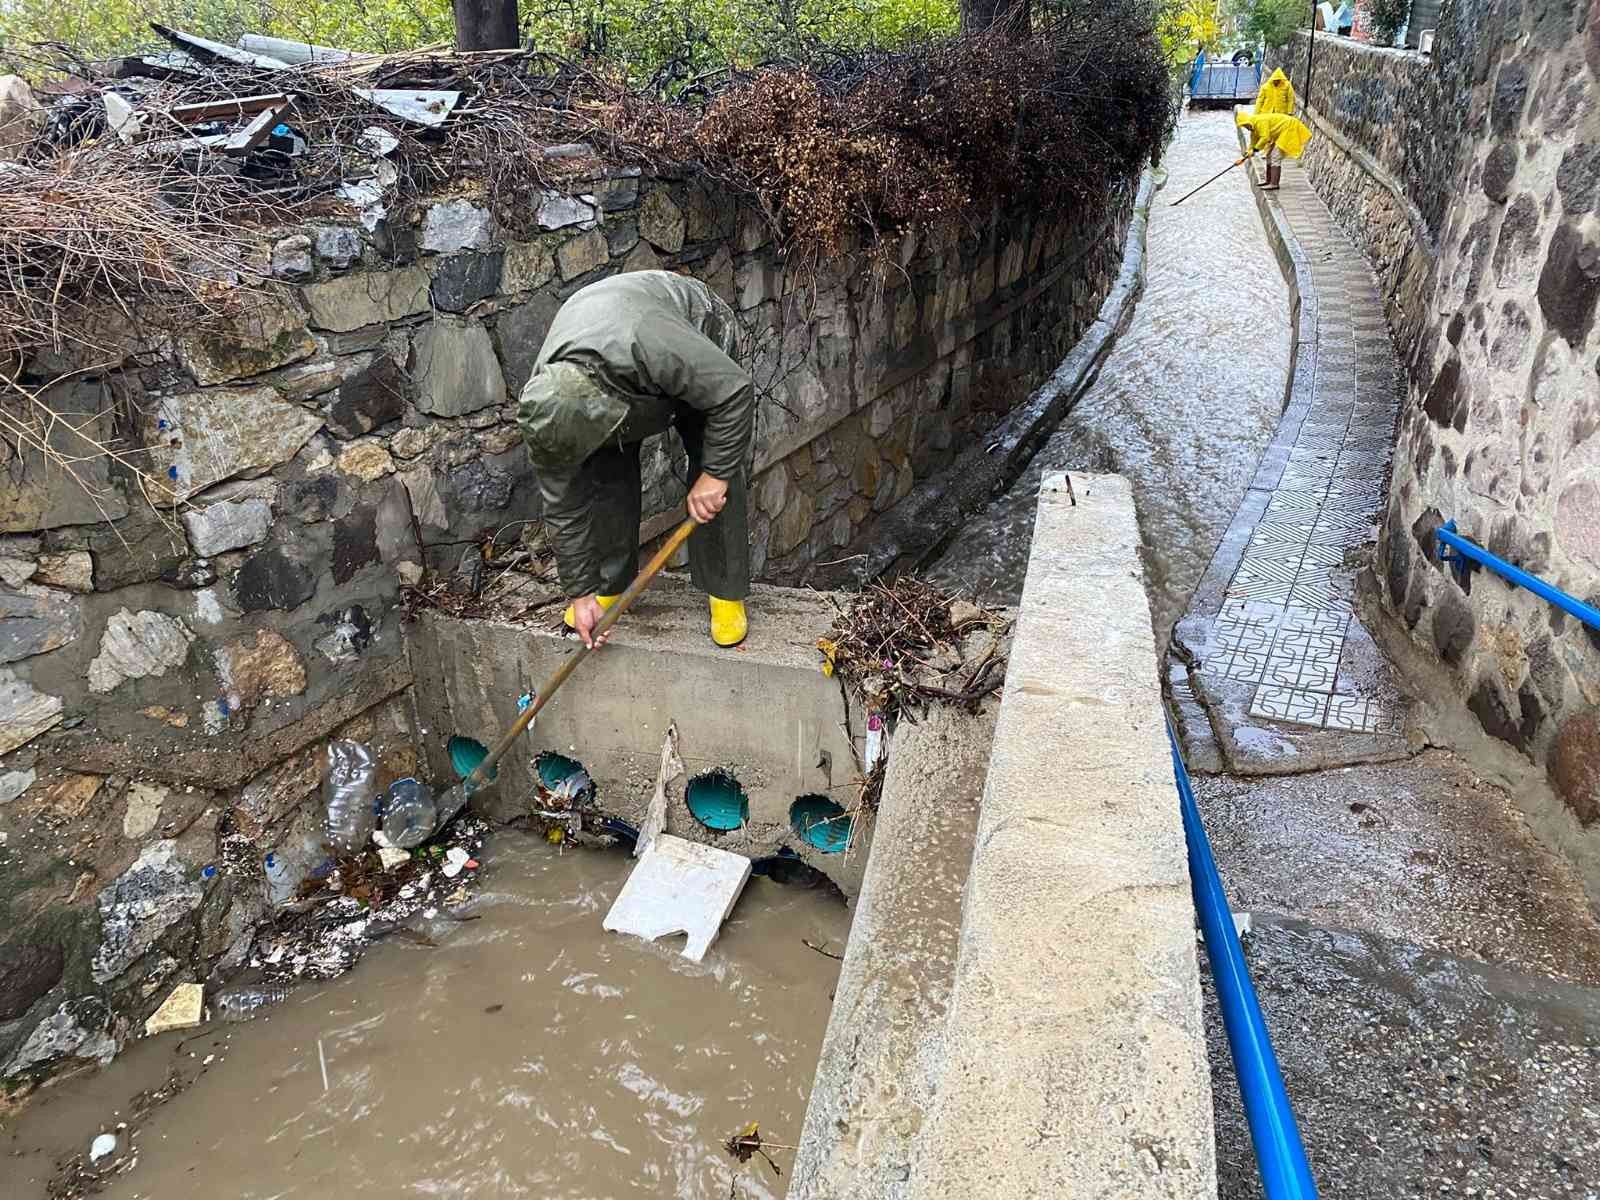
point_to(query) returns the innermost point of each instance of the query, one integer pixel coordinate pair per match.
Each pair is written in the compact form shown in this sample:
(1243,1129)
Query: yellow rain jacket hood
(1276,95)
(1287,133)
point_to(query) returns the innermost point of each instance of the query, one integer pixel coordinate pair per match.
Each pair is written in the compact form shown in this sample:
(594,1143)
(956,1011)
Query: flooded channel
(1186,401)
(528,1053)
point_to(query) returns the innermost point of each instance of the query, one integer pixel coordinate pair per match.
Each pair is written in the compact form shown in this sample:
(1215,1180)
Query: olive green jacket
(622,357)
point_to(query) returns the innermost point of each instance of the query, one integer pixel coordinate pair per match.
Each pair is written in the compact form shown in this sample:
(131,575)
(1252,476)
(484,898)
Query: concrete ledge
(1075,1059)
(763,711)
(879,1067)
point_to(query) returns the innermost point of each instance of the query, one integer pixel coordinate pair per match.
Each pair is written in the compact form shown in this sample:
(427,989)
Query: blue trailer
(1223,84)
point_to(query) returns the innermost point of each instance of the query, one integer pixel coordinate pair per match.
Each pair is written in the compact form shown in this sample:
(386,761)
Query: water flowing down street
(1188,397)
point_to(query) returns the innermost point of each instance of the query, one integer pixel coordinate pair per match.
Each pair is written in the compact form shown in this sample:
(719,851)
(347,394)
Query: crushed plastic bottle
(282,878)
(245,1002)
(410,814)
(350,792)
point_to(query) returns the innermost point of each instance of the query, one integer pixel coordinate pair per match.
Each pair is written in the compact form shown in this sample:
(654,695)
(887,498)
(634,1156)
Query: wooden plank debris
(232,108)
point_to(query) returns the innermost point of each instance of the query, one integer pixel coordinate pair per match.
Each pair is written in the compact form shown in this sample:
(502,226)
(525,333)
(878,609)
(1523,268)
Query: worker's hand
(706,498)
(586,614)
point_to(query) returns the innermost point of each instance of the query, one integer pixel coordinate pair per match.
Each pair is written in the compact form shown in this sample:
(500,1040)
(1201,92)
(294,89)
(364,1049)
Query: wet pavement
(527,1054)
(1187,399)
(1426,966)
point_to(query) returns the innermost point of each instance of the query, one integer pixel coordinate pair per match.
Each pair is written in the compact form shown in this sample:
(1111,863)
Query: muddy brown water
(528,1054)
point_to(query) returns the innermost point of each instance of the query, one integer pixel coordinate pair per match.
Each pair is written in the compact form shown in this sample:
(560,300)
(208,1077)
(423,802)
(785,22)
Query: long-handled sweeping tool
(456,798)
(1208,182)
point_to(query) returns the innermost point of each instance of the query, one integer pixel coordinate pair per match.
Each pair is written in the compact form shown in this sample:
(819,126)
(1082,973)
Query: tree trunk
(486,24)
(978,15)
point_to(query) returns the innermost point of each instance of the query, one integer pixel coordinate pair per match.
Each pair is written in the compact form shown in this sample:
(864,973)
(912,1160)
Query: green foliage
(1270,21)
(1185,26)
(684,38)
(1385,18)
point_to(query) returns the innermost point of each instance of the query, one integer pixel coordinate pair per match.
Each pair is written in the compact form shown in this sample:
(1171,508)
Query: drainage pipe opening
(717,801)
(821,823)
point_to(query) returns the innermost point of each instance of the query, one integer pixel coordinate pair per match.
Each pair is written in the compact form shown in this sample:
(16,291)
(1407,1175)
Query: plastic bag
(350,790)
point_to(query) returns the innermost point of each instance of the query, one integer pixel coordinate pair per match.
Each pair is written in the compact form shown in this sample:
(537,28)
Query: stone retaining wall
(1494,146)
(177,646)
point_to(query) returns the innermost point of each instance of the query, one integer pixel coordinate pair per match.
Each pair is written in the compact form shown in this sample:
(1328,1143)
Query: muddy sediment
(527,1053)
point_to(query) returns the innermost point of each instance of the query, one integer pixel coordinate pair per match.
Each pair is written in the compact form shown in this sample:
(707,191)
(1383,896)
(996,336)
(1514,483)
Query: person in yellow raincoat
(1276,95)
(1277,134)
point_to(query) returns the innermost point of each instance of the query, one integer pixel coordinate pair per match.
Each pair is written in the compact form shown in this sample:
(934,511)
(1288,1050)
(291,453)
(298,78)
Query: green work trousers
(719,553)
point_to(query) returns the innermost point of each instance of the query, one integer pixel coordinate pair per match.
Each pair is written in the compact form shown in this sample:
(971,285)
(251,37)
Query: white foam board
(680,887)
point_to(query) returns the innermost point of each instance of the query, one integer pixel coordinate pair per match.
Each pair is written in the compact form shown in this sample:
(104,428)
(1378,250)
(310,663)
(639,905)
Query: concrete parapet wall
(1074,1058)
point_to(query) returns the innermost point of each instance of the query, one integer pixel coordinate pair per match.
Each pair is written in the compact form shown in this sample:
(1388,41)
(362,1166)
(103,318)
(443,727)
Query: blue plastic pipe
(1448,537)
(1280,1154)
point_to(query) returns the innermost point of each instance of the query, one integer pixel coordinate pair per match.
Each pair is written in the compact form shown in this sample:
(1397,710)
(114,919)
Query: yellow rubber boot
(605,602)
(728,622)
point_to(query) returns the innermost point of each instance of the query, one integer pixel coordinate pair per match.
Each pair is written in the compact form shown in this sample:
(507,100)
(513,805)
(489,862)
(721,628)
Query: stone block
(367,461)
(338,245)
(661,222)
(138,645)
(218,528)
(140,905)
(371,398)
(618,194)
(36,620)
(454,367)
(141,811)
(37,493)
(25,712)
(198,439)
(453,225)
(583,254)
(461,280)
(527,265)
(519,333)
(351,302)
(255,334)
(291,258)
(272,579)
(69,570)
(621,237)
(1574,766)
(1569,284)
(267,667)
(562,212)
(184,1008)
(642,258)
(794,525)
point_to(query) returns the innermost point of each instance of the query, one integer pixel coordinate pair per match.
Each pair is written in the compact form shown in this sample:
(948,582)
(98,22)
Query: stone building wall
(1494,147)
(195,601)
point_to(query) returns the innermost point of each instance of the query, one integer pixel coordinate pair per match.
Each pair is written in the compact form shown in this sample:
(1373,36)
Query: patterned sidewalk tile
(1285,618)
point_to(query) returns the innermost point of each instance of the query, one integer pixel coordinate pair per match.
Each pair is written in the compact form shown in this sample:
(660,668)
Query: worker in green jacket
(627,357)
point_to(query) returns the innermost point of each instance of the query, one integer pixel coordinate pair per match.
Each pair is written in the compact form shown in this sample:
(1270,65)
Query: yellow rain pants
(1275,131)
(1276,95)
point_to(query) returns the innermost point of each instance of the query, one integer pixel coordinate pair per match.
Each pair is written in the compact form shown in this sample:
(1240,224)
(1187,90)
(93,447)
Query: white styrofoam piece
(680,887)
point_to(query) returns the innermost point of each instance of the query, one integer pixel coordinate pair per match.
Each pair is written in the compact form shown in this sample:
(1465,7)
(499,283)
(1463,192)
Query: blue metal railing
(1466,553)
(1280,1154)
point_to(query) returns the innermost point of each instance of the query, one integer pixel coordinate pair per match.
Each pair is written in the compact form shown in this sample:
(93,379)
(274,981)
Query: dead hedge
(842,151)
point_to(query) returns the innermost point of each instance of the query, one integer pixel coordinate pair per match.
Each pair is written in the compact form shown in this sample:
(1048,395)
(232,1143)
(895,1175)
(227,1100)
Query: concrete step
(884,1048)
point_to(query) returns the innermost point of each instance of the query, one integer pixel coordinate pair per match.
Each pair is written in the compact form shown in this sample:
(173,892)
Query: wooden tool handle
(525,718)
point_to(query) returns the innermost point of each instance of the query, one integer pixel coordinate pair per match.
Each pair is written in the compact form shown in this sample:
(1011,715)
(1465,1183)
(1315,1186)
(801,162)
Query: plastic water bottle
(282,879)
(410,814)
(350,788)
